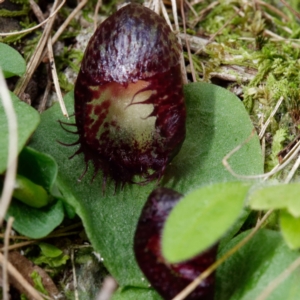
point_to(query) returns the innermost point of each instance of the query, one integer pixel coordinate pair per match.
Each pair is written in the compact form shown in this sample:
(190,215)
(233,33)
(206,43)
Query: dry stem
(74,275)
(5,285)
(34,27)
(186,42)
(9,180)
(15,273)
(286,160)
(265,126)
(108,288)
(64,25)
(35,59)
(55,78)
(98,5)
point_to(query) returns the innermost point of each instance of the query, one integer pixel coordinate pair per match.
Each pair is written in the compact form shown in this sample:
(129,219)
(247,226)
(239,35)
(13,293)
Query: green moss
(15,13)
(24,2)
(64,84)
(38,282)
(278,141)
(259,41)
(68,58)
(12,39)
(30,44)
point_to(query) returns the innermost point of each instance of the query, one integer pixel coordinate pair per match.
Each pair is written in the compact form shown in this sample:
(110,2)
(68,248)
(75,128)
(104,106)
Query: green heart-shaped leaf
(216,123)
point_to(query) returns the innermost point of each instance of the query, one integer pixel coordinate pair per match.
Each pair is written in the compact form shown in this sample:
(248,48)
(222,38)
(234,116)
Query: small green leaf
(290,229)
(38,282)
(248,272)
(51,262)
(49,250)
(11,61)
(28,119)
(276,197)
(30,193)
(201,218)
(35,222)
(50,256)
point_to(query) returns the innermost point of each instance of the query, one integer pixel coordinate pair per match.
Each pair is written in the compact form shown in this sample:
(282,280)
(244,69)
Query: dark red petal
(132,44)
(168,279)
(129,105)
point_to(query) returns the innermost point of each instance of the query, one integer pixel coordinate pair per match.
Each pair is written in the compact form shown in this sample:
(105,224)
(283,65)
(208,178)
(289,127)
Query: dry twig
(55,78)
(15,273)
(34,27)
(165,14)
(187,43)
(273,9)
(42,105)
(284,162)
(278,38)
(290,8)
(9,180)
(64,25)
(191,7)
(98,5)
(108,288)
(278,280)
(293,171)
(74,275)
(30,242)
(35,59)
(39,14)
(265,126)
(37,11)
(5,285)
